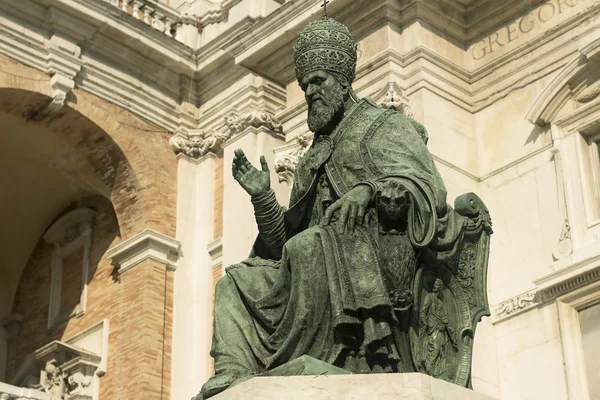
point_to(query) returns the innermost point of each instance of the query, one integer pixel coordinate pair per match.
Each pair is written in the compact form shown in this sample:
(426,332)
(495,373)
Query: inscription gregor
(523,25)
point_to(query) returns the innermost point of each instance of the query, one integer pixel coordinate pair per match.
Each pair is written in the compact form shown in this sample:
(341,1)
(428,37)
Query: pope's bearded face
(325,99)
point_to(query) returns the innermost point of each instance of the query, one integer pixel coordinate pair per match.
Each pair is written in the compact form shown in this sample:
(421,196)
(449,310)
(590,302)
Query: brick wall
(217,271)
(32,298)
(137,172)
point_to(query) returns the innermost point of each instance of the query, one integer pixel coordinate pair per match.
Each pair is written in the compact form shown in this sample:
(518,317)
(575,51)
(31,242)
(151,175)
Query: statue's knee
(304,241)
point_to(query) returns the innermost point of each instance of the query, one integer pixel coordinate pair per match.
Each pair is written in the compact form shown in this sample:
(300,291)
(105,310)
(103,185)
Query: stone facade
(133,109)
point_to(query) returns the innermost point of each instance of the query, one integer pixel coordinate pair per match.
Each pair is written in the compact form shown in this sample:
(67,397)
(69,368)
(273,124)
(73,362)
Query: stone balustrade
(156,14)
(9,392)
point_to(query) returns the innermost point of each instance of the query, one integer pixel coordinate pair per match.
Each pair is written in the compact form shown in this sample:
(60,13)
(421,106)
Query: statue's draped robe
(327,295)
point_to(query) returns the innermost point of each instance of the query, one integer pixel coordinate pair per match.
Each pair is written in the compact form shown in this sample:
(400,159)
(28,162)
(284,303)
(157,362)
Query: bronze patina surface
(369,270)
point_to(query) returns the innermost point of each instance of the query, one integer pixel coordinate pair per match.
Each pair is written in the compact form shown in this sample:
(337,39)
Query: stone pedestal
(349,387)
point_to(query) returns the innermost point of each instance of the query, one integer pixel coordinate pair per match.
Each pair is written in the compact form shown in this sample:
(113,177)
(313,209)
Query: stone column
(193,279)
(239,226)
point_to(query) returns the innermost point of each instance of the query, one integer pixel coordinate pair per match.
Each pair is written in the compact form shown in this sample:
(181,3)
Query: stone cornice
(215,250)
(567,279)
(129,60)
(562,282)
(472,88)
(218,13)
(10,392)
(558,91)
(147,245)
(94,45)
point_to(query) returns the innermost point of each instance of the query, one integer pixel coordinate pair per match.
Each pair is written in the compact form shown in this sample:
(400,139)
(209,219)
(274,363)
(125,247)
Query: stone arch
(570,83)
(51,158)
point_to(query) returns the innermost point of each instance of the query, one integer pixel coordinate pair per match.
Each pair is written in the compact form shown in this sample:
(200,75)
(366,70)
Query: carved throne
(450,297)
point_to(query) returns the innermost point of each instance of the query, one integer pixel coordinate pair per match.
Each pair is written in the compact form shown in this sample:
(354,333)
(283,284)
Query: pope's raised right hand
(254,181)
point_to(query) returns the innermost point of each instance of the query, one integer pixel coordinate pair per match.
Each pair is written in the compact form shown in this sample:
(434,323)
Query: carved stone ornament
(589,93)
(194,144)
(218,12)
(68,371)
(285,165)
(197,143)
(79,383)
(564,245)
(54,380)
(516,304)
(255,118)
(395,99)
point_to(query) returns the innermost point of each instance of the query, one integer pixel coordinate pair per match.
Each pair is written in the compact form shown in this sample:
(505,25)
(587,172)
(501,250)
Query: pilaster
(193,279)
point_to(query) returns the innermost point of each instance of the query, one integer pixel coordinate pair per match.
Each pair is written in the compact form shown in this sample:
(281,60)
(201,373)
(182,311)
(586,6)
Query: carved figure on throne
(336,276)
(437,331)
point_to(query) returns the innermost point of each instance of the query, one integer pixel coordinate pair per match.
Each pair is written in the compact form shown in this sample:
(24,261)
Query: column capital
(287,157)
(197,143)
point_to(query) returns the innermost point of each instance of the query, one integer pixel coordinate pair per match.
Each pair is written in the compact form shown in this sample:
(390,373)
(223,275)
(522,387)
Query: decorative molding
(568,307)
(197,143)
(515,305)
(393,98)
(64,63)
(122,57)
(589,93)
(159,15)
(553,97)
(193,143)
(68,371)
(564,246)
(287,157)
(95,339)
(215,250)
(218,12)
(254,118)
(72,232)
(10,392)
(147,245)
(567,279)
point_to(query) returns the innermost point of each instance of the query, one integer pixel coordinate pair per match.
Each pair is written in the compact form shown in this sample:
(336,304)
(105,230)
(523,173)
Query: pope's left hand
(353,206)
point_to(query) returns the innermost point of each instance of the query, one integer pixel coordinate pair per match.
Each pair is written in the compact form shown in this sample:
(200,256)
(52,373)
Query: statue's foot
(219,383)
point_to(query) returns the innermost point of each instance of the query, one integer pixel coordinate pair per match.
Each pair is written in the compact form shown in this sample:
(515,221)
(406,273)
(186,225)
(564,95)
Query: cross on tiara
(324,6)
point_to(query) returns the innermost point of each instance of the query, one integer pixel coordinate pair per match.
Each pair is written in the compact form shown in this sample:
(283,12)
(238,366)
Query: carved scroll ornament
(286,165)
(197,143)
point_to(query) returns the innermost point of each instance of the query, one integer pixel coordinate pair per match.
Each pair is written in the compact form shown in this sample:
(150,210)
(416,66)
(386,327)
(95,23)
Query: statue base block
(413,386)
